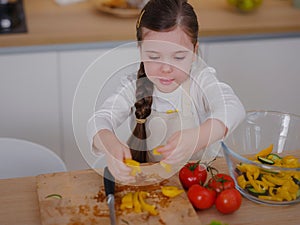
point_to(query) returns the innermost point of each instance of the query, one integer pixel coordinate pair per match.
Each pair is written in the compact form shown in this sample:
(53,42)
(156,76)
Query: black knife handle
(109,182)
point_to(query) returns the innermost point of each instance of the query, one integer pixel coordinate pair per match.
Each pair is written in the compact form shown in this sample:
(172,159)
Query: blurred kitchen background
(46,45)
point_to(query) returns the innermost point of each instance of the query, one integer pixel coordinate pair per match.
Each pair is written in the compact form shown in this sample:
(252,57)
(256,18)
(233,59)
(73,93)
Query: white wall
(265,74)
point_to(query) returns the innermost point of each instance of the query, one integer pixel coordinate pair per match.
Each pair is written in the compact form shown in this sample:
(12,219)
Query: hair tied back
(140,121)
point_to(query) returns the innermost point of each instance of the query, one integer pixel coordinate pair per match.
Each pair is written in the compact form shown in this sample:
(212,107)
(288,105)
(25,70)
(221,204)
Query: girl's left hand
(180,146)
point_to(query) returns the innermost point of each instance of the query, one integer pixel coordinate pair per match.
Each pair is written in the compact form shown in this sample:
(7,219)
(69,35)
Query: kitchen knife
(109,186)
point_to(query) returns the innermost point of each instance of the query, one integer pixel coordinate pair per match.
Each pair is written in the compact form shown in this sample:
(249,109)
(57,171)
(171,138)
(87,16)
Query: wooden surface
(83,202)
(49,23)
(20,205)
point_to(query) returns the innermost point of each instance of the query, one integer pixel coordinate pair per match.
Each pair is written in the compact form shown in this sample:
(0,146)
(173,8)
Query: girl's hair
(160,16)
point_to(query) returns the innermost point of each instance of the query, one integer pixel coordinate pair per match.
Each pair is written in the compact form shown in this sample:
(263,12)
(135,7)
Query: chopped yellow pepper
(253,182)
(274,180)
(277,185)
(242,181)
(290,161)
(265,152)
(172,111)
(127,201)
(167,167)
(155,152)
(145,206)
(270,184)
(272,198)
(134,165)
(171,191)
(136,204)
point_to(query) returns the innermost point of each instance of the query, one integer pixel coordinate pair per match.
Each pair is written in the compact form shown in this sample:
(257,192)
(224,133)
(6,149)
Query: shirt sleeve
(215,99)
(114,110)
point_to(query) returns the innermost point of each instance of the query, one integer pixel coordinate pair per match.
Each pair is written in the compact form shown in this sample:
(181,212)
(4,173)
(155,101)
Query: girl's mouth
(165,81)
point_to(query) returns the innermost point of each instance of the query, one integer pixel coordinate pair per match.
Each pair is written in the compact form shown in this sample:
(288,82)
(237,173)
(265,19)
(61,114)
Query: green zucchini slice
(252,191)
(273,156)
(58,196)
(265,160)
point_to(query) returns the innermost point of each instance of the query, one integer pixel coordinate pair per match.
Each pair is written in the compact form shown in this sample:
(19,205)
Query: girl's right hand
(116,152)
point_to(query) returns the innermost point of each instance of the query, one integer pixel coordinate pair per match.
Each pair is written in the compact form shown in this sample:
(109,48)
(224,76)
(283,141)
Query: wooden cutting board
(83,201)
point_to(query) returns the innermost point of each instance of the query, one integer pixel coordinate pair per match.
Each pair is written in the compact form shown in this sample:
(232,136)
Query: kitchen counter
(20,206)
(51,24)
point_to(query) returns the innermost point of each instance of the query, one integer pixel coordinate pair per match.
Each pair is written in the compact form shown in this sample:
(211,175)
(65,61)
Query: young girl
(176,102)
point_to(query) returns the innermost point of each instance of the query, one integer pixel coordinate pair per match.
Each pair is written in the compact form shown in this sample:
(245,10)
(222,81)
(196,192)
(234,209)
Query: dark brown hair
(161,16)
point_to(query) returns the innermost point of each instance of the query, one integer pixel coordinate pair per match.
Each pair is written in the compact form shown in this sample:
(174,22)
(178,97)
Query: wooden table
(19,206)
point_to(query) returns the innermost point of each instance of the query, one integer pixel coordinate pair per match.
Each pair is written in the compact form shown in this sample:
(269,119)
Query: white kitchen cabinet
(29,97)
(263,73)
(72,67)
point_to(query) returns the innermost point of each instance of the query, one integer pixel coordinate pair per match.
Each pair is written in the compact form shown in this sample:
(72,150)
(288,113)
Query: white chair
(20,158)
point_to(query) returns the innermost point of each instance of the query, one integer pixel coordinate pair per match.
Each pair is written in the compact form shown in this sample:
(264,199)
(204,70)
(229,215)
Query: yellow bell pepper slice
(265,152)
(170,111)
(290,161)
(136,204)
(253,182)
(270,184)
(274,180)
(242,181)
(127,201)
(270,198)
(145,206)
(134,165)
(166,166)
(155,152)
(171,191)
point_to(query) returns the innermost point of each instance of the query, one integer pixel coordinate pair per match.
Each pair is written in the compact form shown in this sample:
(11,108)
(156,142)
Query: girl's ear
(140,50)
(196,51)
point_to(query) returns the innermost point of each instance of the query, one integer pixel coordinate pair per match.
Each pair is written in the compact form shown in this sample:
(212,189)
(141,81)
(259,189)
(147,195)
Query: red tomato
(220,182)
(192,173)
(228,201)
(201,197)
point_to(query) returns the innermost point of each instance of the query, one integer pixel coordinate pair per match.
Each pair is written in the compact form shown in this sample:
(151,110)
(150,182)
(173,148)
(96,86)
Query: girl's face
(167,57)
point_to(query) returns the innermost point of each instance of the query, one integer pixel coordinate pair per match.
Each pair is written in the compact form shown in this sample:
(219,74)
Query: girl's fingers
(122,175)
(167,148)
(177,155)
(127,154)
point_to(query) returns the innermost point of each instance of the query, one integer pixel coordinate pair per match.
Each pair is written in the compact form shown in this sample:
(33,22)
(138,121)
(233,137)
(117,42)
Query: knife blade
(109,186)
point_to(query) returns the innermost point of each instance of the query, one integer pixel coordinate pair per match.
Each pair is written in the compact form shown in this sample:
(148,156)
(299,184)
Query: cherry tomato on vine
(228,201)
(192,173)
(220,182)
(201,197)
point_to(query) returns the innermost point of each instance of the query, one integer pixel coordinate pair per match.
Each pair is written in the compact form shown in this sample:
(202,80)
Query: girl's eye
(179,57)
(153,57)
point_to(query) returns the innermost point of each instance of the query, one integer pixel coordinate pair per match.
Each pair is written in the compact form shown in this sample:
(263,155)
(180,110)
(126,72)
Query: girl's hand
(180,146)
(115,152)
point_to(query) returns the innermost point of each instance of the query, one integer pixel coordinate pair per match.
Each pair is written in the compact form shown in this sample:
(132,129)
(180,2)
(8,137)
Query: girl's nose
(166,67)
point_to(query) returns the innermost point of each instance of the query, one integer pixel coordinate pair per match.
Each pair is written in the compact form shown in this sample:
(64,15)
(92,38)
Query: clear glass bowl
(259,130)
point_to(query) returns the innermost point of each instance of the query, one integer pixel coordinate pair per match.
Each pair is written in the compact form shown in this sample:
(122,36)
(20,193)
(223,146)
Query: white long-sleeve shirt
(211,99)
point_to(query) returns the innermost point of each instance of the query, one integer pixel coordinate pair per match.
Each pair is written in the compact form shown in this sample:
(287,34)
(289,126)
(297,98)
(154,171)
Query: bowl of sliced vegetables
(263,157)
